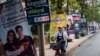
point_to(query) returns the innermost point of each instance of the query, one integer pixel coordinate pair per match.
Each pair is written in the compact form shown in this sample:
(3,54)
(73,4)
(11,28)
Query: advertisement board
(57,20)
(15,32)
(12,14)
(83,20)
(69,17)
(70,23)
(37,11)
(3,1)
(76,17)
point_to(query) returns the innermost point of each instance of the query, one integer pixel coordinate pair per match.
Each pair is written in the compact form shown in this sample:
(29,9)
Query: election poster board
(70,23)
(57,20)
(69,17)
(37,11)
(15,31)
(76,17)
(12,14)
(3,1)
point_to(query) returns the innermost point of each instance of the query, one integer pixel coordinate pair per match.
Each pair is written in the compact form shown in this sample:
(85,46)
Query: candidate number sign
(37,11)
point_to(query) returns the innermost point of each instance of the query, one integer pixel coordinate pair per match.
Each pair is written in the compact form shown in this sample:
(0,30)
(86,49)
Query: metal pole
(67,8)
(41,41)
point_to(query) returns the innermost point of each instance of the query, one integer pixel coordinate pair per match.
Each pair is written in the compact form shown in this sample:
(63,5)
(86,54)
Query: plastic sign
(13,25)
(83,20)
(77,26)
(12,14)
(76,17)
(58,20)
(37,11)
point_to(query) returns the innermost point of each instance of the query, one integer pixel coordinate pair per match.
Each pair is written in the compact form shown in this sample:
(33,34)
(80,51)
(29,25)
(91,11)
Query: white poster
(2,1)
(12,14)
(14,30)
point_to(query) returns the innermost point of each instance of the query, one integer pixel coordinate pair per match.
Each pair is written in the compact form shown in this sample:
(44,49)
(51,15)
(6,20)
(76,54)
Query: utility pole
(67,7)
(41,39)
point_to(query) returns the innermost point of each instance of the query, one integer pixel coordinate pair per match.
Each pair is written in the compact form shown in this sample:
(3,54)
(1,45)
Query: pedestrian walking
(61,39)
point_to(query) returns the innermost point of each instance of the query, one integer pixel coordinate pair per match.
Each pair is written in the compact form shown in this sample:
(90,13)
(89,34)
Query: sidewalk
(71,45)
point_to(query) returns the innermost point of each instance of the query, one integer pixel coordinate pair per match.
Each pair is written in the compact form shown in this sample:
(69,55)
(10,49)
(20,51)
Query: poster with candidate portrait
(70,22)
(15,34)
(11,15)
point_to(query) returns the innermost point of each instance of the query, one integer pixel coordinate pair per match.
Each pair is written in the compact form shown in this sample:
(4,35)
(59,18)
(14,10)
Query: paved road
(89,48)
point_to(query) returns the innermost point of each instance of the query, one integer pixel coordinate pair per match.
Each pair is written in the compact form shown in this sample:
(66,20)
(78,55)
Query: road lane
(89,48)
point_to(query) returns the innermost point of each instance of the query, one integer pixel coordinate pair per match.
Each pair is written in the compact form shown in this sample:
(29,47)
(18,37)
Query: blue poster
(77,26)
(37,11)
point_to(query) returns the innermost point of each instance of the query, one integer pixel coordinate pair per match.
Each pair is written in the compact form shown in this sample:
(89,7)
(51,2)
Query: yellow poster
(57,20)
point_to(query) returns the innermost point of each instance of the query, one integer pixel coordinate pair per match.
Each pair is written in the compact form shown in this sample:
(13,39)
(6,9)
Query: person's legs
(62,53)
(63,50)
(58,52)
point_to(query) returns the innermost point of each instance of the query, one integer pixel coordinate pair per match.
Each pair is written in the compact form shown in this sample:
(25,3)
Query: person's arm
(55,36)
(65,36)
(16,52)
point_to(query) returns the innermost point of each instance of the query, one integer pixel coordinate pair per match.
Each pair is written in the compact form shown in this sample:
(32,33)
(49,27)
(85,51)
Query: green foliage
(47,26)
(56,5)
(53,2)
(91,12)
(34,30)
(73,4)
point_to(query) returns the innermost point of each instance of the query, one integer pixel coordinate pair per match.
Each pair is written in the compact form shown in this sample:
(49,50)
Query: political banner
(83,20)
(3,1)
(15,33)
(70,23)
(57,20)
(76,17)
(12,14)
(37,11)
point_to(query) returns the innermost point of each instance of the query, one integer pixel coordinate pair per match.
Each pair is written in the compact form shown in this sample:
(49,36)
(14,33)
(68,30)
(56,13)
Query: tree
(56,6)
(73,4)
(90,11)
(83,6)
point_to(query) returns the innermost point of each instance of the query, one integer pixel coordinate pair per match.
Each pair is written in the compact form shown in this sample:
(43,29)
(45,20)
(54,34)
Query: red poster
(76,17)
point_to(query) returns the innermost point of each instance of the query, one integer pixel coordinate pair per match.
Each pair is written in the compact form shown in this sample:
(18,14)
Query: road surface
(89,48)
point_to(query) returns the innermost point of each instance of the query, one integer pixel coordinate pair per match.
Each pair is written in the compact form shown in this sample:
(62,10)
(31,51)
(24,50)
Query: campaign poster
(15,34)
(76,17)
(57,20)
(70,23)
(38,11)
(2,1)
(11,15)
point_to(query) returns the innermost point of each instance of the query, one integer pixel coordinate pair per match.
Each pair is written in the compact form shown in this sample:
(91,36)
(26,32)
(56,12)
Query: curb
(85,38)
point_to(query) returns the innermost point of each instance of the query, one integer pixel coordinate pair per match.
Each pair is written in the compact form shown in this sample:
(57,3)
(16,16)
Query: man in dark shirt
(26,41)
